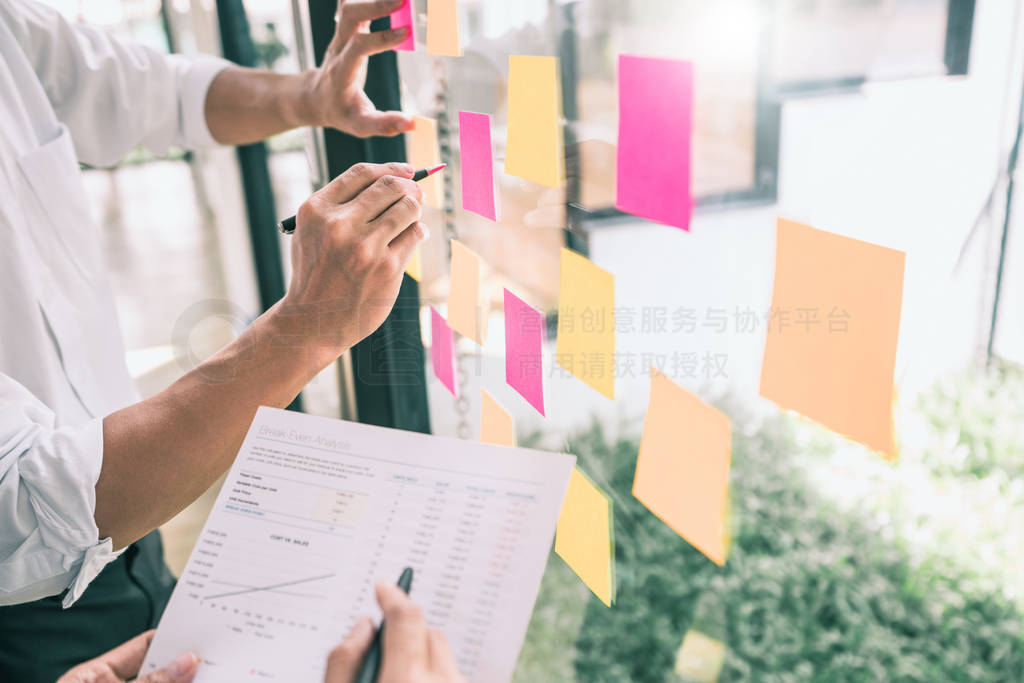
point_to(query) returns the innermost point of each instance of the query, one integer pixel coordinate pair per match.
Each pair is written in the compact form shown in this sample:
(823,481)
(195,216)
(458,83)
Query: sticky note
(443,28)
(655,126)
(423,152)
(682,472)
(403,17)
(415,267)
(467,312)
(524,336)
(442,351)
(586,322)
(700,658)
(834,323)
(533,149)
(477,164)
(496,425)
(585,536)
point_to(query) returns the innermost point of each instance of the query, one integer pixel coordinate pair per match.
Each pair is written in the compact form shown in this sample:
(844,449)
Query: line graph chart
(276,588)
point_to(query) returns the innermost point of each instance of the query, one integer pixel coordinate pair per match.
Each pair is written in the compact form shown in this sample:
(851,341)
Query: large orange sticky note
(423,152)
(682,472)
(586,322)
(443,28)
(585,537)
(467,312)
(833,330)
(496,425)
(533,149)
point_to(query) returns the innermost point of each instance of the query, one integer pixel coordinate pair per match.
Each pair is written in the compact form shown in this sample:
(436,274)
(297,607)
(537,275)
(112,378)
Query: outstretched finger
(405,633)
(352,13)
(441,659)
(357,178)
(344,661)
(373,42)
(383,123)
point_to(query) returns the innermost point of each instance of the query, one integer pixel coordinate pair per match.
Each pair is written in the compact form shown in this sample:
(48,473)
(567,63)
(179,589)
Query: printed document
(315,511)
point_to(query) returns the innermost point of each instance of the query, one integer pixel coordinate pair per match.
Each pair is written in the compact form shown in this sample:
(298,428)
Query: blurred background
(892,121)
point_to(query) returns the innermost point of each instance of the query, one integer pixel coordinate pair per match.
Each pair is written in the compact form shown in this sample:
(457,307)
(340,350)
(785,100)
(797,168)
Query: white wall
(905,164)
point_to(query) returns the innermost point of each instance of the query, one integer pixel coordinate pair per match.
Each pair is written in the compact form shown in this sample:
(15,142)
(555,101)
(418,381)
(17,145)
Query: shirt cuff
(199,72)
(93,562)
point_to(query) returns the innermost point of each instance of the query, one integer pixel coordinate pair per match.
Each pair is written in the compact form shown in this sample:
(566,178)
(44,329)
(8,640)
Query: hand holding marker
(371,663)
(287,226)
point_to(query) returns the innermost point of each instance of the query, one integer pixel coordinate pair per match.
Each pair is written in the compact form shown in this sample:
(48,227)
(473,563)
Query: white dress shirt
(68,93)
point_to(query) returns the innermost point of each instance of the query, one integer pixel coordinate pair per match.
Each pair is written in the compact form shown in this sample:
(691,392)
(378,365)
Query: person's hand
(352,242)
(410,652)
(124,662)
(336,95)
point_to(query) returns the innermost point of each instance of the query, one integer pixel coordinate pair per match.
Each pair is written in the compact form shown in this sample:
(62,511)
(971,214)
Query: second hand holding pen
(287,226)
(371,663)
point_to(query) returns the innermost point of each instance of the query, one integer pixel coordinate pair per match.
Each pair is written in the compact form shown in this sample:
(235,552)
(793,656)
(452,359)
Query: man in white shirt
(86,469)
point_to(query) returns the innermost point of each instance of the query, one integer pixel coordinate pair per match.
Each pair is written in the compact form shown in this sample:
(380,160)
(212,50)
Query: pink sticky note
(442,351)
(403,17)
(655,125)
(524,334)
(477,164)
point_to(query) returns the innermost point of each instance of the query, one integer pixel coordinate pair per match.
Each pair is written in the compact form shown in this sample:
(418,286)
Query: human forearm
(353,240)
(248,105)
(160,454)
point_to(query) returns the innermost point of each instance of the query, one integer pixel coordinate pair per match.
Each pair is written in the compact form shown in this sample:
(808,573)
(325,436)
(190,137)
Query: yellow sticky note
(585,536)
(700,658)
(682,472)
(533,149)
(496,425)
(422,152)
(834,324)
(415,267)
(467,312)
(586,322)
(443,28)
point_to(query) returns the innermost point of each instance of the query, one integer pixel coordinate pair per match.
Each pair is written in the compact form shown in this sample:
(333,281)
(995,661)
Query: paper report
(315,511)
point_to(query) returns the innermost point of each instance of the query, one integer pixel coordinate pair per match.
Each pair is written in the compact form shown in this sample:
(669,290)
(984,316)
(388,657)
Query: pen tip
(435,169)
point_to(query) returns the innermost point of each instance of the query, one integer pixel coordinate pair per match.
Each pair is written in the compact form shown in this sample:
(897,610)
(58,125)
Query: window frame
(768,104)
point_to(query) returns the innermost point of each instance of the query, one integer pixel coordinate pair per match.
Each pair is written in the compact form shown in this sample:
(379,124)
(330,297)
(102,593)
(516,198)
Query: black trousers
(40,640)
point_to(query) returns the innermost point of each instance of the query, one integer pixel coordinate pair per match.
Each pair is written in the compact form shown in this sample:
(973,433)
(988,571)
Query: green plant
(975,425)
(811,592)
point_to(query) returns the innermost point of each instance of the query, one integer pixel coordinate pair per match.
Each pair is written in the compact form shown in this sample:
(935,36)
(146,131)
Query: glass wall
(847,115)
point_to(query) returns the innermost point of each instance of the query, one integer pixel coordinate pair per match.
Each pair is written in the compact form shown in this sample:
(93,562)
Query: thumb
(181,670)
(344,660)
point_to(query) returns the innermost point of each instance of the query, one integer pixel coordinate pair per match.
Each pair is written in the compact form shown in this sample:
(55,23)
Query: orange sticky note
(496,425)
(533,149)
(585,537)
(423,152)
(833,330)
(467,312)
(443,28)
(586,322)
(415,267)
(682,472)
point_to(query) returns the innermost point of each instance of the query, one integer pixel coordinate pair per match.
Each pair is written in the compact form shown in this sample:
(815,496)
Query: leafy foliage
(976,425)
(811,591)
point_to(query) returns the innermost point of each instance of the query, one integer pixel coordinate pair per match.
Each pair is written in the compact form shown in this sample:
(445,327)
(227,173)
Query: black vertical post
(565,19)
(237,45)
(388,366)
(959,27)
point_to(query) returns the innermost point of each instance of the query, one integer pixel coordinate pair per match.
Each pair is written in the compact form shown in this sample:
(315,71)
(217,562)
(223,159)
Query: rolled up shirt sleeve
(114,95)
(50,542)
